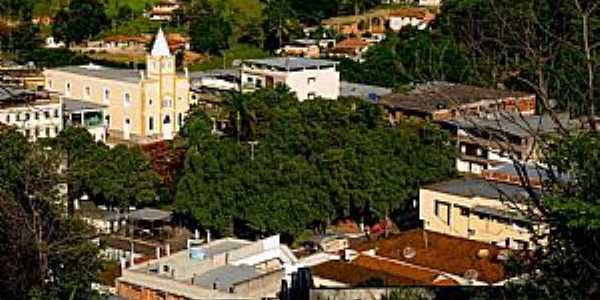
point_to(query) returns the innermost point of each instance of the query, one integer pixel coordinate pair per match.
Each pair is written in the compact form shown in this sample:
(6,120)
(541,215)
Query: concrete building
(222,269)
(308,78)
(35,114)
(420,18)
(476,209)
(142,106)
(440,101)
(485,143)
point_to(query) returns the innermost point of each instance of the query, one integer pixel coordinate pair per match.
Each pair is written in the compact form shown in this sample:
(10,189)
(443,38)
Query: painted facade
(143,106)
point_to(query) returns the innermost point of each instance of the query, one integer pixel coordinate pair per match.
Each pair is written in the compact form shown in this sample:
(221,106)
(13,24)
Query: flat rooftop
(96,71)
(11,95)
(472,187)
(291,63)
(227,276)
(77,105)
(434,96)
(364,91)
(515,124)
(439,252)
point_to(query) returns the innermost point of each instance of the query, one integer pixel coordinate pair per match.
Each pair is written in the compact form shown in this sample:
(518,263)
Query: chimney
(168,249)
(207,236)
(157,252)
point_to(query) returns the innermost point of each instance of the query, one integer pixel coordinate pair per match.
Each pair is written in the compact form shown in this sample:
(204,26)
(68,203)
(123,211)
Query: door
(167,128)
(126,128)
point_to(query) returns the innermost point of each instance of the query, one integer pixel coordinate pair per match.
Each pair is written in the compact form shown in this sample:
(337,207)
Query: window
(47,131)
(7,119)
(258,83)
(464,211)
(179,119)
(56,130)
(442,210)
(27,116)
(179,99)
(87,92)
(18,117)
(151,123)
(107,120)
(311,95)
(127,99)
(127,121)
(106,95)
(37,131)
(50,84)
(56,113)
(150,102)
(37,115)
(311,80)
(167,103)
(46,114)
(250,79)
(68,89)
(27,133)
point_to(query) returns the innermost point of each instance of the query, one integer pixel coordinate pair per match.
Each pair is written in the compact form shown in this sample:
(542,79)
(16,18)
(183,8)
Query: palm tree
(280,19)
(241,115)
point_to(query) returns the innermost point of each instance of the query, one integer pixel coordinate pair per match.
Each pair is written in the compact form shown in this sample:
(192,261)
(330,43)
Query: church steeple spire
(160,47)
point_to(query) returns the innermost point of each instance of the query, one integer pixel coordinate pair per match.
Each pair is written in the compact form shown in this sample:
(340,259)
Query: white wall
(48,125)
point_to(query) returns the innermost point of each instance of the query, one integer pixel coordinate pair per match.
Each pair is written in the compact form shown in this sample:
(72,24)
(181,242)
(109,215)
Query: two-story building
(35,114)
(142,106)
(308,78)
(477,209)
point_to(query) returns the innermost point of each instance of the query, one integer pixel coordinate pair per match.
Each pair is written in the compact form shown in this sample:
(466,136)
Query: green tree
(82,20)
(313,162)
(123,177)
(42,251)
(280,23)
(209,30)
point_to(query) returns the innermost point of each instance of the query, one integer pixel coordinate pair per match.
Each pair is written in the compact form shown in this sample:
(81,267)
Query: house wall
(470,226)
(47,127)
(326,83)
(261,287)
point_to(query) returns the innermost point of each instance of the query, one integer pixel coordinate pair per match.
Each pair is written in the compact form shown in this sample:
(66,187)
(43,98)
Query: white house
(35,114)
(308,78)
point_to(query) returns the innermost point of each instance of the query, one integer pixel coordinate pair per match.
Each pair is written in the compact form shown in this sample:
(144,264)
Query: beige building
(476,209)
(143,106)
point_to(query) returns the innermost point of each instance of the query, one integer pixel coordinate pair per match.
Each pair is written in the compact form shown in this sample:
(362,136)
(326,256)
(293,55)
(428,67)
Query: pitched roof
(516,124)
(226,276)
(448,254)
(121,75)
(161,47)
(434,96)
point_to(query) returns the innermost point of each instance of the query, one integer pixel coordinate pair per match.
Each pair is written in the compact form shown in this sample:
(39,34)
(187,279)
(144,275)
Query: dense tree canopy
(312,162)
(80,21)
(42,252)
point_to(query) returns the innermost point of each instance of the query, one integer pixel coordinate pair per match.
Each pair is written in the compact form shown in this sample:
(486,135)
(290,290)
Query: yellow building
(142,106)
(477,209)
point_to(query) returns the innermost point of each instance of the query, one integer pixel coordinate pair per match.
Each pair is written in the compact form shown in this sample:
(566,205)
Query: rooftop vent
(409,252)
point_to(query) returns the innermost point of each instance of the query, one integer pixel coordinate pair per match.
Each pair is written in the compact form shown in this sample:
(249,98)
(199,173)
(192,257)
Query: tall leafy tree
(80,21)
(43,252)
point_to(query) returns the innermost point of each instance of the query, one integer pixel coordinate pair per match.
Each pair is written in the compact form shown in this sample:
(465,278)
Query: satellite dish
(471,274)
(409,252)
